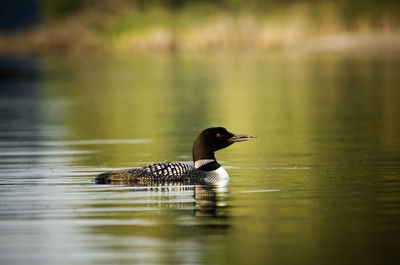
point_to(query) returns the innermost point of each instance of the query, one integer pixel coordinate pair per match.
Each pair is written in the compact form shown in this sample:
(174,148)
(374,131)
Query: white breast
(222,177)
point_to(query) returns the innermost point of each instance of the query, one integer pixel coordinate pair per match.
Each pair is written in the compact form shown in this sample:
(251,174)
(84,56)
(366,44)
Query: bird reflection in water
(208,199)
(206,202)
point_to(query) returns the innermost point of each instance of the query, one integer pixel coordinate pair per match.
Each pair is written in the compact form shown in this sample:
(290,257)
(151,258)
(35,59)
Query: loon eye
(219,136)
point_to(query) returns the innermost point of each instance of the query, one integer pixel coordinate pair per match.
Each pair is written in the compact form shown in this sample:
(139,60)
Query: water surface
(320,184)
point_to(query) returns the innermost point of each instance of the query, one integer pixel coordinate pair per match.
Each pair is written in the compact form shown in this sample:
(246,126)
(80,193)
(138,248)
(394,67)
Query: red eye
(219,135)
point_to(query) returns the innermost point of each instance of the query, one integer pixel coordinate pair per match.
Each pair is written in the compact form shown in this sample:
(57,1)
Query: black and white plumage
(205,170)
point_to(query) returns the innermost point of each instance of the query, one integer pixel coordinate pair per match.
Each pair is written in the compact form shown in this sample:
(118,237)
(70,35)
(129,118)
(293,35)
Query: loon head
(214,139)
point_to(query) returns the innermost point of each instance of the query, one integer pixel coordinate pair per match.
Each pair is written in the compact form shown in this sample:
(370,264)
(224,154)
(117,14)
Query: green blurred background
(132,26)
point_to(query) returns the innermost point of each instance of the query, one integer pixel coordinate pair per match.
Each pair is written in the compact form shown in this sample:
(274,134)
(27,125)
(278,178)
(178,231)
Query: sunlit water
(320,184)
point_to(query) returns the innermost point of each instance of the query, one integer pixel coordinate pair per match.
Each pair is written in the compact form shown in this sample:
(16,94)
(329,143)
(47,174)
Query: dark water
(320,184)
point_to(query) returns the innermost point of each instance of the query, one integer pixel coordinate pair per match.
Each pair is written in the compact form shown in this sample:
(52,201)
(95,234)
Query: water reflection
(19,69)
(206,200)
(203,199)
(149,219)
(322,178)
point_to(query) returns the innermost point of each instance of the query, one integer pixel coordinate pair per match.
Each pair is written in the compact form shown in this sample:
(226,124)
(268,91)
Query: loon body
(205,170)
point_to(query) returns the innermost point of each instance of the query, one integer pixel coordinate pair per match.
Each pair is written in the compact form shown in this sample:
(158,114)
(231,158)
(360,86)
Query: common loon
(205,170)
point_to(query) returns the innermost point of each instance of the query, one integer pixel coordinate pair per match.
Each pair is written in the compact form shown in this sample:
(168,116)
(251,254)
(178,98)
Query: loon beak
(240,138)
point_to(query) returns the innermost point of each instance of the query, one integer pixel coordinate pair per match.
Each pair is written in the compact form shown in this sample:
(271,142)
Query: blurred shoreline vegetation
(141,26)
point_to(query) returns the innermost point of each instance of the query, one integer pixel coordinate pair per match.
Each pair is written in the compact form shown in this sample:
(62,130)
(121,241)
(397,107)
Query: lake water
(320,184)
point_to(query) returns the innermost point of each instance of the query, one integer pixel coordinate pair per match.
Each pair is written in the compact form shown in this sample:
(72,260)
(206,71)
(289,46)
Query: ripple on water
(268,168)
(255,191)
(74,142)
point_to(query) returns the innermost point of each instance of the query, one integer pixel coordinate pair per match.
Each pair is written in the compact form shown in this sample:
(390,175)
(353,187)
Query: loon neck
(202,162)
(203,149)
(207,165)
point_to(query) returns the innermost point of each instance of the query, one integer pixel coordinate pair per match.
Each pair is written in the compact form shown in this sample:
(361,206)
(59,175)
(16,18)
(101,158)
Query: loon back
(206,167)
(168,171)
